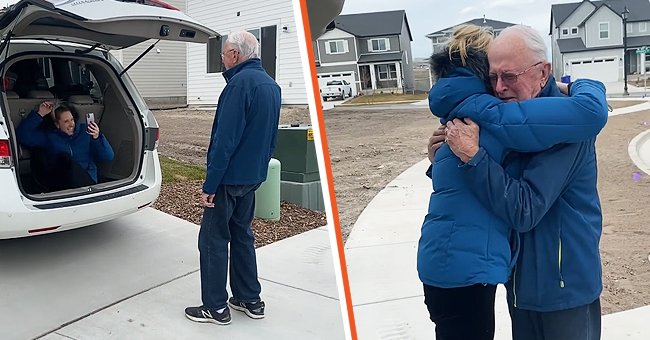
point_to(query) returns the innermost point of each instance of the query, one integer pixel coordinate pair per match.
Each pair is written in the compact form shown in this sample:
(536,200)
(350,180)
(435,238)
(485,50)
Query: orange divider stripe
(328,167)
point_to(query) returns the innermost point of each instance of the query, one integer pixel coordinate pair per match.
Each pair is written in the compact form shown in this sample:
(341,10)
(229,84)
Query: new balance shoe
(202,314)
(254,310)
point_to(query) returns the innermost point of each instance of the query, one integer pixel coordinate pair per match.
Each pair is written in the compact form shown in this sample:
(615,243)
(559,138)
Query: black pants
(465,313)
(229,222)
(580,323)
(63,173)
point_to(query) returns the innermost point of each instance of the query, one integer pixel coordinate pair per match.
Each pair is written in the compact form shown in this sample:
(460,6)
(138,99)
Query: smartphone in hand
(90,118)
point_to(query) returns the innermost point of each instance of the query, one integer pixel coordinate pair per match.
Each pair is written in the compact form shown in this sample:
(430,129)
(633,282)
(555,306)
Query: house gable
(570,27)
(335,34)
(603,17)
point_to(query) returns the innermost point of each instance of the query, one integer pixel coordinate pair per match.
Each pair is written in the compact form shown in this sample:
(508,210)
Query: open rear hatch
(105,24)
(110,23)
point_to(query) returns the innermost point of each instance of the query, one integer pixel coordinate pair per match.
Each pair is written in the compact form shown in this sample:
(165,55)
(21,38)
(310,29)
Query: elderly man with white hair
(241,144)
(549,198)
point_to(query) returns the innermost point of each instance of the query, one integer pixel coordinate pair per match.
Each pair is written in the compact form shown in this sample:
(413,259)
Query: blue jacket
(463,242)
(81,147)
(244,129)
(551,199)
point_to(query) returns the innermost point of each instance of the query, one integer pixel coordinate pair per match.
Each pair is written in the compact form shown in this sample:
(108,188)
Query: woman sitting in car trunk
(72,149)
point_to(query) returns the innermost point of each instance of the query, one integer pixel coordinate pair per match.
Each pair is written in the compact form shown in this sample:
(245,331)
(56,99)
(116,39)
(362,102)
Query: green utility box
(267,196)
(300,179)
(295,150)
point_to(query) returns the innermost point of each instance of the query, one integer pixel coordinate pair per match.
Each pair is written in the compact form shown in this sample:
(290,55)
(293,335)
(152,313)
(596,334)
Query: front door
(364,76)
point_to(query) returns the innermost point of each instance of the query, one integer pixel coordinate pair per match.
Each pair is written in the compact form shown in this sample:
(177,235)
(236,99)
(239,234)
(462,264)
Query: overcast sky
(427,16)
(4,3)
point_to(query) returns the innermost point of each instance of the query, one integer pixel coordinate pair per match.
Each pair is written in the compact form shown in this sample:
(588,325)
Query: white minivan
(59,50)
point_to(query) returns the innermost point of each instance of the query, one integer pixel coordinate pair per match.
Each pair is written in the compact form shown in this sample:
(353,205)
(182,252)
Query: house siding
(393,42)
(161,78)
(407,59)
(556,56)
(615,29)
(337,34)
(351,55)
(339,68)
(204,88)
(314,46)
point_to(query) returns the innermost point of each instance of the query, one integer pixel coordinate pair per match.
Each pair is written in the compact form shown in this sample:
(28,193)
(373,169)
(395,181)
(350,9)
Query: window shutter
(328,50)
(387,44)
(369,45)
(345,46)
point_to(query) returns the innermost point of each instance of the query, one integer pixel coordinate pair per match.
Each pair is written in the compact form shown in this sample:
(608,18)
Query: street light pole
(624,15)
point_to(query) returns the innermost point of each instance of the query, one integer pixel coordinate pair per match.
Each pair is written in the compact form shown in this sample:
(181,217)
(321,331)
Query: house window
(378,45)
(439,40)
(336,47)
(603,30)
(215,46)
(574,31)
(630,28)
(643,26)
(565,31)
(386,71)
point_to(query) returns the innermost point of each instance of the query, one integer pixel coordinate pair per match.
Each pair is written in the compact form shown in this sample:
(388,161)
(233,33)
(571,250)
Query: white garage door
(348,76)
(603,69)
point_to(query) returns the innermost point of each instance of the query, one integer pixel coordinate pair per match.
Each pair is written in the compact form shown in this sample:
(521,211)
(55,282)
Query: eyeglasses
(509,78)
(230,50)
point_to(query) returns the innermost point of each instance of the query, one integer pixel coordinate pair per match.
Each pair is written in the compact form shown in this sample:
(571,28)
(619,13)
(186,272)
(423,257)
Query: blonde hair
(467,36)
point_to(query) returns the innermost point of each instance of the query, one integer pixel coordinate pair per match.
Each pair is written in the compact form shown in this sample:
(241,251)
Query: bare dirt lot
(185,134)
(370,147)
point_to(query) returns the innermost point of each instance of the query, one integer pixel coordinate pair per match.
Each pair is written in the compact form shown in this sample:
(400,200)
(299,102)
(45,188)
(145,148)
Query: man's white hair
(531,38)
(245,43)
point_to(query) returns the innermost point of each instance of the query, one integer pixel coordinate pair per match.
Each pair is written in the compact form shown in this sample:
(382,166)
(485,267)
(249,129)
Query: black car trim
(89,200)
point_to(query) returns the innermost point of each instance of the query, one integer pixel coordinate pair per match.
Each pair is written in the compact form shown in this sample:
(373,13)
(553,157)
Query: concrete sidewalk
(132,278)
(381,257)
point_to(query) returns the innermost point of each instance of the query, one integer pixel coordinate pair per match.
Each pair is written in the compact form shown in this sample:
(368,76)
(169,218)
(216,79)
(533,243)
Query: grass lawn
(386,97)
(176,171)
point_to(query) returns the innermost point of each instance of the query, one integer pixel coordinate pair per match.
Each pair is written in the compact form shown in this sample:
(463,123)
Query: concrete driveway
(131,278)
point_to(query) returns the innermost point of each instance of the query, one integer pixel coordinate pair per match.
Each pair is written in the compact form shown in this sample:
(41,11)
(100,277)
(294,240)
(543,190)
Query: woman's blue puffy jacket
(81,147)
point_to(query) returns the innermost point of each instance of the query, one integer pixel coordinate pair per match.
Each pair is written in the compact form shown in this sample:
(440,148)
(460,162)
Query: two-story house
(371,50)
(439,38)
(587,38)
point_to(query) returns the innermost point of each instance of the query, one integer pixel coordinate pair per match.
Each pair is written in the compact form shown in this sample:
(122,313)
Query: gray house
(439,38)
(587,38)
(371,50)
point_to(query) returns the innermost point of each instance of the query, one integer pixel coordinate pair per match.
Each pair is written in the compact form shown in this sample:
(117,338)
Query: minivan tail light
(5,154)
(156,3)
(152,136)
(160,4)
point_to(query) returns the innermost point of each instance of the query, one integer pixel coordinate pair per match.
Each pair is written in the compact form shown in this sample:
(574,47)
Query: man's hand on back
(462,137)
(435,142)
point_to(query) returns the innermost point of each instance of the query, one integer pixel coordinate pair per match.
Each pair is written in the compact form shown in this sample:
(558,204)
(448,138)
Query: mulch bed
(181,199)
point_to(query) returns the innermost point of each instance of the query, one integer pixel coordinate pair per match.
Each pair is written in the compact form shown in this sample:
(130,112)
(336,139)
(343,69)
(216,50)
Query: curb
(634,150)
(381,103)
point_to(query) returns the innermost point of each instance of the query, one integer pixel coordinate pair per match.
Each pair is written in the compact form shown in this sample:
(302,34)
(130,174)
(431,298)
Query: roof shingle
(495,24)
(373,24)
